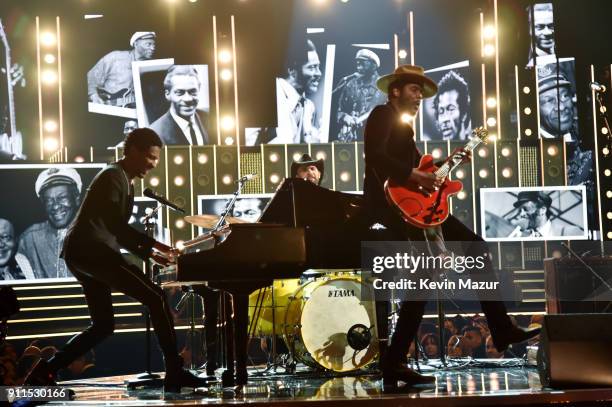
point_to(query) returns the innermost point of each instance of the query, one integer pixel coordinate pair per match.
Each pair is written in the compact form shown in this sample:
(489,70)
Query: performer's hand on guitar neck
(426,180)
(467,155)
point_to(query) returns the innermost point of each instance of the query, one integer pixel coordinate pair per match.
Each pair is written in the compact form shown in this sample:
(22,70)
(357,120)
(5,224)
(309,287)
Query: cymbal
(210,221)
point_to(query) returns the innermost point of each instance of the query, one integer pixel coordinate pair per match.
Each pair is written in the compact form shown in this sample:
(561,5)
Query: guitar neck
(456,159)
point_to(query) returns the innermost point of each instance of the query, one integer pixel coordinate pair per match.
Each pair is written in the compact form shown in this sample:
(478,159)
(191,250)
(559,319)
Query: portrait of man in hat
(110,80)
(358,96)
(308,169)
(535,217)
(59,191)
(557,103)
(296,112)
(391,154)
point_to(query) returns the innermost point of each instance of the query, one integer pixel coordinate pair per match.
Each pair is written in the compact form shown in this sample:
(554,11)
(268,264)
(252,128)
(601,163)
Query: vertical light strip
(165,208)
(333,160)
(191,185)
(518,103)
(597,169)
(216,50)
(286,162)
(59,84)
(395,50)
(484,95)
(236,121)
(357,177)
(263,166)
(412,38)
(497,90)
(91,154)
(482,35)
(40,113)
(215,165)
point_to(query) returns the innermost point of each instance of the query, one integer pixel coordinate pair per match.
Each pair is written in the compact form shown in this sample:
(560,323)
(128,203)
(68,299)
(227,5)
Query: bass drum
(260,307)
(327,325)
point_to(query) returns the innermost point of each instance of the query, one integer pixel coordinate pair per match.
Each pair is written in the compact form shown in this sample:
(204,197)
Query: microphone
(151,194)
(351,76)
(247,177)
(597,87)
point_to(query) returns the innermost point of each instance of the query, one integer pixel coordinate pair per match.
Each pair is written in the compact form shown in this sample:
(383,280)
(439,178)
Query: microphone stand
(230,204)
(148,378)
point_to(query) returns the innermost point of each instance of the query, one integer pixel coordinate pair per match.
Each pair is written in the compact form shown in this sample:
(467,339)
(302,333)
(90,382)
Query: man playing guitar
(391,154)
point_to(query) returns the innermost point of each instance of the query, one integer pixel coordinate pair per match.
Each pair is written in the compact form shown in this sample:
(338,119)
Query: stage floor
(507,383)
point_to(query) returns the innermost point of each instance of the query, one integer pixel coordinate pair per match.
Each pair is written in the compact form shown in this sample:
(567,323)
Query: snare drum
(326,325)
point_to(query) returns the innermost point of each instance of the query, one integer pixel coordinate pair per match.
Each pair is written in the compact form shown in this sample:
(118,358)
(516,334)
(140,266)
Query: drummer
(308,169)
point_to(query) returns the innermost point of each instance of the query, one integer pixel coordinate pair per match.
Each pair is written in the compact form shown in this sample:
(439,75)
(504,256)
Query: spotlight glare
(79,159)
(49,58)
(154,181)
(226,74)
(407,118)
(274,157)
(462,195)
(320,155)
(436,153)
(180,223)
(274,178)
(49,77)
(605,151)
(402,53)
(528,132)
(483,152)
(180,245)
(526,90)
(297,156)
(492,138)
(488,32)
(491,122)
(527,111)
(225,56)
(202,158)
(604,130)
(607,172)
(507,172)
(506,151)
(489,50)
(610,235)
(552,150)
(179,181)
(229,141)
(345,176)
(51,144)
(491,102)
(609,194)
(227,179)
(178,159)
(460,174)
(227,123)
(50,126)
(609,215)
(483,173)
(47,38)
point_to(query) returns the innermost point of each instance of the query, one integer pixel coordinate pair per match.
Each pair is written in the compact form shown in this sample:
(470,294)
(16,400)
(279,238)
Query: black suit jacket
(171,133)
(390,152)
(104,215)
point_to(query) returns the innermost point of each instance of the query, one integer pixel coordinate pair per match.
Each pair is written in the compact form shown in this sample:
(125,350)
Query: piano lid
(302,203)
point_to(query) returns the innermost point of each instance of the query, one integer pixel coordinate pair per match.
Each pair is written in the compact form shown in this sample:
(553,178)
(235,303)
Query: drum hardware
(359,336)
(189,297)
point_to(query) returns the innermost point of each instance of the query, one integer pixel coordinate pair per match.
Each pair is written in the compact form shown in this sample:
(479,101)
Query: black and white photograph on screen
(541,213)
(557,100)
(247,208)
(173,100)
(355,93)
(36,212)
(303,95)
(447,115)
(110,84)
(13,78)
(541,26)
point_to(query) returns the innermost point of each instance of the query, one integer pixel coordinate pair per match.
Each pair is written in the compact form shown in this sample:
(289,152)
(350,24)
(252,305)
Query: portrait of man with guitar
(408,194)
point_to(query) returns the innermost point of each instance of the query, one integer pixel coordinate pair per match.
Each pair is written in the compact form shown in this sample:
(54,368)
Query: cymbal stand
(230,204)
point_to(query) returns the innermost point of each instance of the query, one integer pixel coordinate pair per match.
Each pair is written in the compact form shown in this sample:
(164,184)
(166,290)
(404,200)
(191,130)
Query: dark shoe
(177,379)
(513,335)
(391,375)
(40,375)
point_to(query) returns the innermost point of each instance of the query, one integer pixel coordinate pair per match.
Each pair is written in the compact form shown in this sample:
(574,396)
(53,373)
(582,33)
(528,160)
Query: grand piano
(304,226)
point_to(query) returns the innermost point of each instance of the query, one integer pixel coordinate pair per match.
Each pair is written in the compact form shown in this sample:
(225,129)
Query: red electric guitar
(423,209)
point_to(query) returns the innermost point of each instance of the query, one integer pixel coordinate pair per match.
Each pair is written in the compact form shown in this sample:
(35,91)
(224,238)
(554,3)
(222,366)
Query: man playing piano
(308,169)
(92,252)
(391,152)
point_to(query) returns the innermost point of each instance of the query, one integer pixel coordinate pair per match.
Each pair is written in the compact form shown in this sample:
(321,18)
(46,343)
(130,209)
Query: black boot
(178,377)
(513,335)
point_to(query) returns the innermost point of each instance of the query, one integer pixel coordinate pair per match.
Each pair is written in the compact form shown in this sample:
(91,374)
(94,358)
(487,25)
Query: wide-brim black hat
(533,196)
(306,159)
(409,74)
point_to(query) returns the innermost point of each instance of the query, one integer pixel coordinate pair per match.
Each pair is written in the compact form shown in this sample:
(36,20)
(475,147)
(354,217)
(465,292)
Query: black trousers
(211,316)
(411,312)
(100,269)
